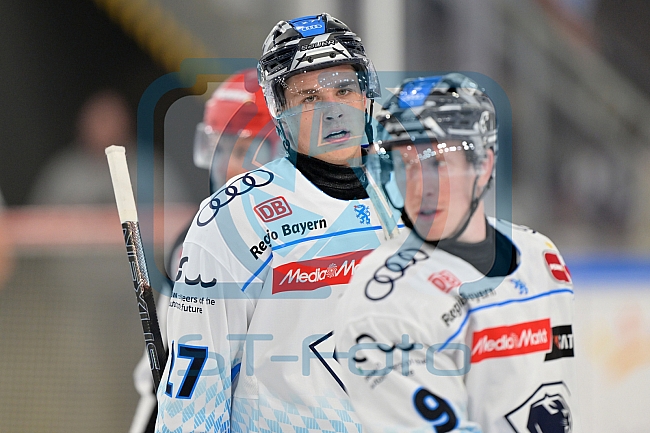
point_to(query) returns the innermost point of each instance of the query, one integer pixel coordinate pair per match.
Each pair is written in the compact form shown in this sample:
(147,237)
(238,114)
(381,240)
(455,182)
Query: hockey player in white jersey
(236,135)
(463,322)
(268,255)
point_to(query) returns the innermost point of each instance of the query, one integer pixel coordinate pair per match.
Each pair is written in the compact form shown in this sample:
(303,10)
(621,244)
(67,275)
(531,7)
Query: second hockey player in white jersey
(236,135)
(268,255)
(463,323)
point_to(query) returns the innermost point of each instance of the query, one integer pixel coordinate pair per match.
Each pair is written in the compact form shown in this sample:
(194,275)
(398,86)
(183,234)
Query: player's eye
(439,162)
(309,99)
(435,164)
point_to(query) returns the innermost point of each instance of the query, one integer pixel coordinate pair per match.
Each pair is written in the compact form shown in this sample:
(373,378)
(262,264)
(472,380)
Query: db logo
(273,209)
(444,280)
(558,269)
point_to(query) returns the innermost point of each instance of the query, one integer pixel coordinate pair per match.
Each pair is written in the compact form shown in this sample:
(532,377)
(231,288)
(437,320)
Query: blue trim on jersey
(311,238)
(257,272)
(326,235)
(500,304)
(329,235)
(234,372)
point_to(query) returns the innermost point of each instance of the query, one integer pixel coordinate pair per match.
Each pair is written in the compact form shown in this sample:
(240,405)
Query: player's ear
(485,169)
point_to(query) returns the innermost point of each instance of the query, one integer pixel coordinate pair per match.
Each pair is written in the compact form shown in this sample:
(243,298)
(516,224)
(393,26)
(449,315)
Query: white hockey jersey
(252,311)
(421,356)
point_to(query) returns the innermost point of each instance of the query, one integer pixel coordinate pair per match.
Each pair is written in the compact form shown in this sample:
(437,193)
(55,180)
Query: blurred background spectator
(78,174)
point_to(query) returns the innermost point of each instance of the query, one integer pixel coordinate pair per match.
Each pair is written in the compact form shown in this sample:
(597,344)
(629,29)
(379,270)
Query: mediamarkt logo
(512,340)
(316,273)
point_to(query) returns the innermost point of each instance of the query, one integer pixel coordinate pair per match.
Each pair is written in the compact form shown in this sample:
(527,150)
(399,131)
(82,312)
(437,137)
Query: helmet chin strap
(279,128)
(368,119)
(472,209)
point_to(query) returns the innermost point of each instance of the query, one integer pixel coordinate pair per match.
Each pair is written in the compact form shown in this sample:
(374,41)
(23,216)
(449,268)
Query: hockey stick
(134,250)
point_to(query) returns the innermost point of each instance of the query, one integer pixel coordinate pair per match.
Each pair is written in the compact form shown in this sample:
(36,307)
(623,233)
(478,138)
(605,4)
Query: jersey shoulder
(537,255)
(522,236)
(230,201)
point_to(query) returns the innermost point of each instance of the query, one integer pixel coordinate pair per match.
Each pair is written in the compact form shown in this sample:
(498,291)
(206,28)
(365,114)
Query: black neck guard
(337,181)
(495,256)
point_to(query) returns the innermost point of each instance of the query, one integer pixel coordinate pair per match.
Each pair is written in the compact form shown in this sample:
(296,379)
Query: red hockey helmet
(237,133)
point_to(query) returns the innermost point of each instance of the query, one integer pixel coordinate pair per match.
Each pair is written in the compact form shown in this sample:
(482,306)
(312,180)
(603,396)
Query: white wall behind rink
(612,338)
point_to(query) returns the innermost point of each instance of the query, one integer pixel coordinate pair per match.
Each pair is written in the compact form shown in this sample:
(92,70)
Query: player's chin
(430,226)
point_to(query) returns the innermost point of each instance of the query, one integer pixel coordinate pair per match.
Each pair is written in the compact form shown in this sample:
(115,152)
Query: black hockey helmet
(437,114)
(306,44)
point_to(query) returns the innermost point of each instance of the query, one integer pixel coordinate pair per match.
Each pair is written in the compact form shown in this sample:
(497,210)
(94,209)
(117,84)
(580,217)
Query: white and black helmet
(309,43)
(438,114)
(447,107)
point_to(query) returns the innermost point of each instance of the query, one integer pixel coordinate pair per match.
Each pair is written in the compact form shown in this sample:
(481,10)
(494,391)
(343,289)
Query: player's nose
(333,111)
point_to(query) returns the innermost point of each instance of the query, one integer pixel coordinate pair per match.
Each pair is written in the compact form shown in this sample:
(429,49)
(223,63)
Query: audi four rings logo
(309,27)
(254,179)
(383,282)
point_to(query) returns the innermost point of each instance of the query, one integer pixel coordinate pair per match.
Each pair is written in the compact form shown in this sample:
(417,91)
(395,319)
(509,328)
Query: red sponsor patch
(273,209)
(444,280)
(558,270)
(512,340)
(316,273)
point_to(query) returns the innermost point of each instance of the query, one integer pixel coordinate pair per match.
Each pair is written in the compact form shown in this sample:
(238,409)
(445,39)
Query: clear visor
(205,141)
(227,155)
(324,111)
(310,90)
(424,168)
(436,184)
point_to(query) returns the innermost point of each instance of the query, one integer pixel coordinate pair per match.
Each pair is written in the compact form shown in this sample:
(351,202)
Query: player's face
(325,114)
(438,189)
